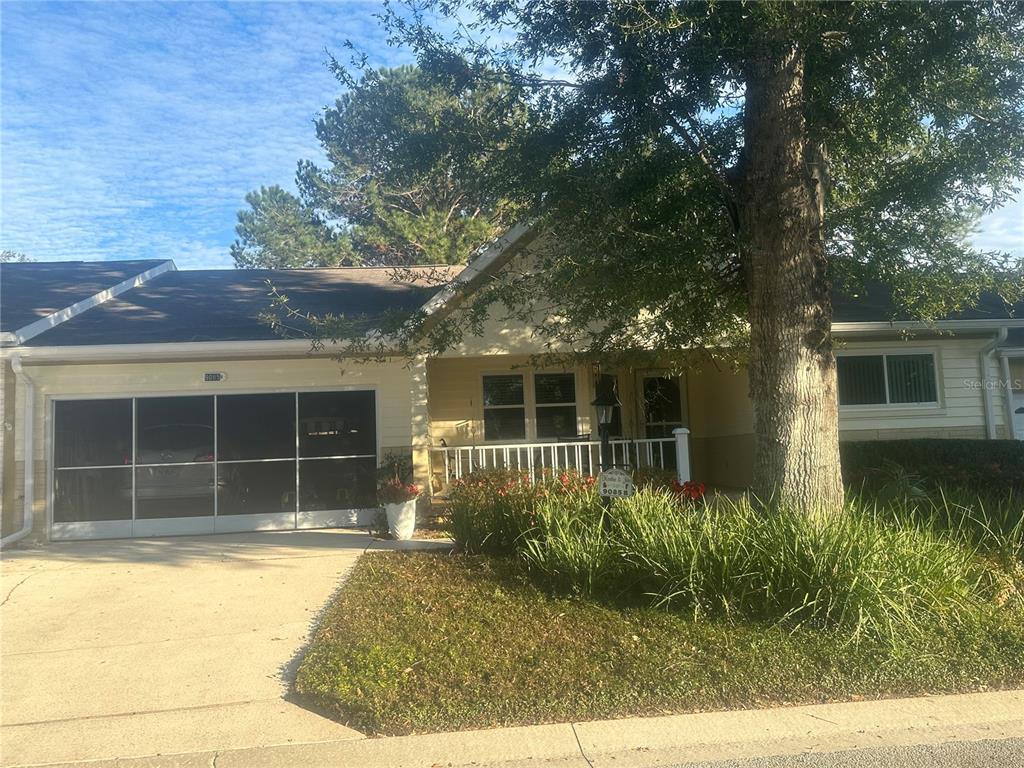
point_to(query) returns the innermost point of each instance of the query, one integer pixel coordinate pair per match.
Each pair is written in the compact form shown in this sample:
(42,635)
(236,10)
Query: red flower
(688,490)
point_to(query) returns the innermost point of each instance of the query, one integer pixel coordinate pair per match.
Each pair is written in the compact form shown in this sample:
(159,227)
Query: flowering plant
(688,490)
(394,491)
(394,481)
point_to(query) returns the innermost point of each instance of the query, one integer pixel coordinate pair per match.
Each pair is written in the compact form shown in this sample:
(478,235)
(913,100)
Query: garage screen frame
(297,518)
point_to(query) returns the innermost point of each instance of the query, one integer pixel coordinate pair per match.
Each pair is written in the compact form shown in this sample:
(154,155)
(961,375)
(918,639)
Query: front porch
(449,464)
(504,411)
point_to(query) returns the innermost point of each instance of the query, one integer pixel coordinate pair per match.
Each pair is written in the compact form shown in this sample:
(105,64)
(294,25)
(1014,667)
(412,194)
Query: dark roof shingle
(228,304)
(30,291)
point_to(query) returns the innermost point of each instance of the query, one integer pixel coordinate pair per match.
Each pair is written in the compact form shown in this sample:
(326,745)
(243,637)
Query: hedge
(982,464)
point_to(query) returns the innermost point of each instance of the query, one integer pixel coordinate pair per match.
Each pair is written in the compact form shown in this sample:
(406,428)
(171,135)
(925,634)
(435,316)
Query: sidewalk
(638,742)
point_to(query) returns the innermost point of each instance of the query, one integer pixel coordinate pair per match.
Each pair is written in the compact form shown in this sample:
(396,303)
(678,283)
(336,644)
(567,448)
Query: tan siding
(456,388)
(721,426)
(10,498)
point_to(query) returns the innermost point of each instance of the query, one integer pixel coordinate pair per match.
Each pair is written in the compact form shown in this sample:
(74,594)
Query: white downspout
(28,465)
(1007,387)
(986,392)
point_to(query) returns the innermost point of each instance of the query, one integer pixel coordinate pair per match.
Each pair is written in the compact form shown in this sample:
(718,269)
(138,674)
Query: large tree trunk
(792,368)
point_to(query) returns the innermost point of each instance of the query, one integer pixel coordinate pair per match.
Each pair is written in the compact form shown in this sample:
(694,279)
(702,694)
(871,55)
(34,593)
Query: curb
(641,742)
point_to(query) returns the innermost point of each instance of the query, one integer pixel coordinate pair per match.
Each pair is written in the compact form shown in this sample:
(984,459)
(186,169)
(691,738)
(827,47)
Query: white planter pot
(401,519)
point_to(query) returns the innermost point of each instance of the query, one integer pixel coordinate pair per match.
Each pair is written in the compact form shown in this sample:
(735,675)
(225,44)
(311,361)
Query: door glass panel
(90,495)
(607,387)
(183,491)
(90,433)
(337,484)
(174,430)
(253,489)
(663,409)
(337,424)
(255,427)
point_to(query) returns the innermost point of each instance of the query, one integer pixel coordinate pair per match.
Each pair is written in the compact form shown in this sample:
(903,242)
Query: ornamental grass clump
(569,548)
(871,577)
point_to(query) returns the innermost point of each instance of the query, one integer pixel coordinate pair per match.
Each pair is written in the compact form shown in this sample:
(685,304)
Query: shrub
(489,511)
(985,465)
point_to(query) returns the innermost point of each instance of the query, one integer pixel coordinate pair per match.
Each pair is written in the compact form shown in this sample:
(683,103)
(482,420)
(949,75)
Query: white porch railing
(455,462)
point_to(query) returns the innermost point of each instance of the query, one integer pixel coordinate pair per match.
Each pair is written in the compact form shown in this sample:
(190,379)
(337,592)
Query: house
(139,400)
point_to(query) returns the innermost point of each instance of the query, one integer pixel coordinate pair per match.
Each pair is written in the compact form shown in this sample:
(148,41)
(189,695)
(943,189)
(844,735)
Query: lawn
(431,642)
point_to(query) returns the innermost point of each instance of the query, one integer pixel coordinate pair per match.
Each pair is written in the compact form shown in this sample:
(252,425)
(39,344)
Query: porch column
(682,436)
(420,423)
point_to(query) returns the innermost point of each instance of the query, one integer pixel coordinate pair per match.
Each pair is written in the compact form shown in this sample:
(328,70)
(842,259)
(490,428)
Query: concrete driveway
(162,646)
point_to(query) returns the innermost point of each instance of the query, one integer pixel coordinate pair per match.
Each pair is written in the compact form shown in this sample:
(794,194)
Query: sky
(134,130)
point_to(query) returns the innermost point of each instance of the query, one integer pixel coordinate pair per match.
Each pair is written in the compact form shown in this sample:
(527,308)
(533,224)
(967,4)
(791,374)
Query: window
(555,396)
(504,408)
(887,379)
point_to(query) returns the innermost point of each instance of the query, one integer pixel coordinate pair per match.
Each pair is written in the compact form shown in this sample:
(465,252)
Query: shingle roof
(875,304)
(32,290)
(227,304)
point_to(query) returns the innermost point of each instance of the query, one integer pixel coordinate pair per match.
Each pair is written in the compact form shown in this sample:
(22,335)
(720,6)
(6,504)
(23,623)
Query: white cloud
(135,130)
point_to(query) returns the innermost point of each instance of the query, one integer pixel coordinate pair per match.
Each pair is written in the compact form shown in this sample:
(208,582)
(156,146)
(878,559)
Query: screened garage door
(161,466)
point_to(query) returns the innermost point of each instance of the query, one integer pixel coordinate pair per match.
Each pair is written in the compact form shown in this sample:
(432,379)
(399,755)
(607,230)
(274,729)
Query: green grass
(428,642)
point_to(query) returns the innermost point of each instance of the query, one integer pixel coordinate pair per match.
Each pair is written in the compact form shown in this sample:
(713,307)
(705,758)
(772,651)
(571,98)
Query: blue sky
(134,130)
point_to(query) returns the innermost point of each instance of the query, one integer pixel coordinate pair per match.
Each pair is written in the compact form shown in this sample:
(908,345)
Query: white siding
(961,406)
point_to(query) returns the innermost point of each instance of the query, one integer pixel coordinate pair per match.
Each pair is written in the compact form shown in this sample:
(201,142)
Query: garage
(217,463)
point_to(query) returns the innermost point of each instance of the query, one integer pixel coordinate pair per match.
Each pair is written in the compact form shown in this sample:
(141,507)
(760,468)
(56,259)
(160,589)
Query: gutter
(28,465)
(986,394)
(940,325)
(170,351)
(1007,387)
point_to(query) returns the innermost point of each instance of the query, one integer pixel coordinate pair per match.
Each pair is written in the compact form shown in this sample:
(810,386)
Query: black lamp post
(605,403)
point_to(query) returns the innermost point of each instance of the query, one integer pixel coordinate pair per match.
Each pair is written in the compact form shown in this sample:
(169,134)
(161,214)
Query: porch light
(605,403)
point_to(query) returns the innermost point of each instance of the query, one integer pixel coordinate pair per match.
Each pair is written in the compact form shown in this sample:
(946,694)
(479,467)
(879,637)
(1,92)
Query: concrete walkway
(162,646)
(985,727)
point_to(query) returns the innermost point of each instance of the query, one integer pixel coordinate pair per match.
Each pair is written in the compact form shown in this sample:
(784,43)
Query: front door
(662,412)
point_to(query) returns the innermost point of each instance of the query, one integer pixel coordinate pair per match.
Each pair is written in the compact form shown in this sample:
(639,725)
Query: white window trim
(889,406)
(529,403)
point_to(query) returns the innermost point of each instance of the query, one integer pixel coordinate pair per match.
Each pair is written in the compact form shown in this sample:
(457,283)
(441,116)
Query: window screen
(92,433)
(255,427)
(337,424)
(861,380)
(174,430)
(911,379)
(886,379)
